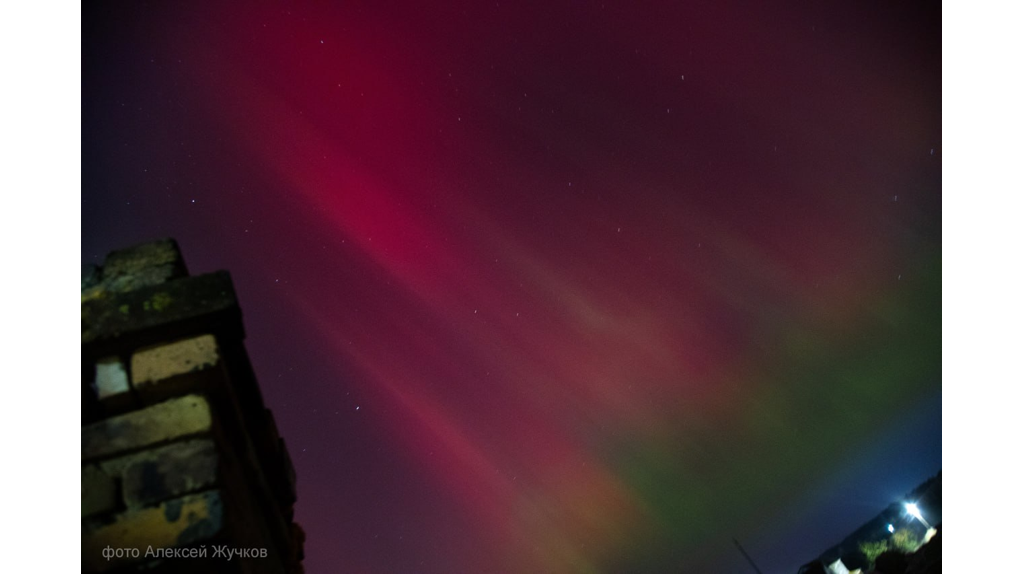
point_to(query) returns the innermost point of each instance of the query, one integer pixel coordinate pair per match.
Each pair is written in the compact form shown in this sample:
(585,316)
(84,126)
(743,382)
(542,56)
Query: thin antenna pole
(747,556)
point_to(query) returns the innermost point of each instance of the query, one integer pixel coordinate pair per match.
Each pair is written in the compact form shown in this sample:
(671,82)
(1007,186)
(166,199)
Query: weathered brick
(111,378)
(116,466)
(151,315)
(99,492)
(170,471)
(163,422)
(274,459)
(143,265)
(152,365)
(180,522)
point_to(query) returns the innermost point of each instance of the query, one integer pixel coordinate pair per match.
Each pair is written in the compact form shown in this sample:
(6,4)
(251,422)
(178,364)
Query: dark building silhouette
(183,469)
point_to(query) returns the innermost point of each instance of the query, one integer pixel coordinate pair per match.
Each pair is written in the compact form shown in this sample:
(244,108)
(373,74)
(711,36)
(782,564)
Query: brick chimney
(183,469)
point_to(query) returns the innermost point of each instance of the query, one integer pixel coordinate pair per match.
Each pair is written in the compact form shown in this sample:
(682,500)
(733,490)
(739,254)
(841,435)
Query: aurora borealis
(577,287)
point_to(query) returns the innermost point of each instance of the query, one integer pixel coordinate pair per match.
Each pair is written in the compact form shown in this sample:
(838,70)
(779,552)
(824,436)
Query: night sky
(577,287)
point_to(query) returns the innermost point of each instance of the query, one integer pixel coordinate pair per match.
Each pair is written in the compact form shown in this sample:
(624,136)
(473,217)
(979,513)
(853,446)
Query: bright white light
(891,529)
(913,510)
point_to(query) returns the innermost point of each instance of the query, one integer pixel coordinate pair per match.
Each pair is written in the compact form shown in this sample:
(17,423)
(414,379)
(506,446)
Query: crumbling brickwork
(182,466)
